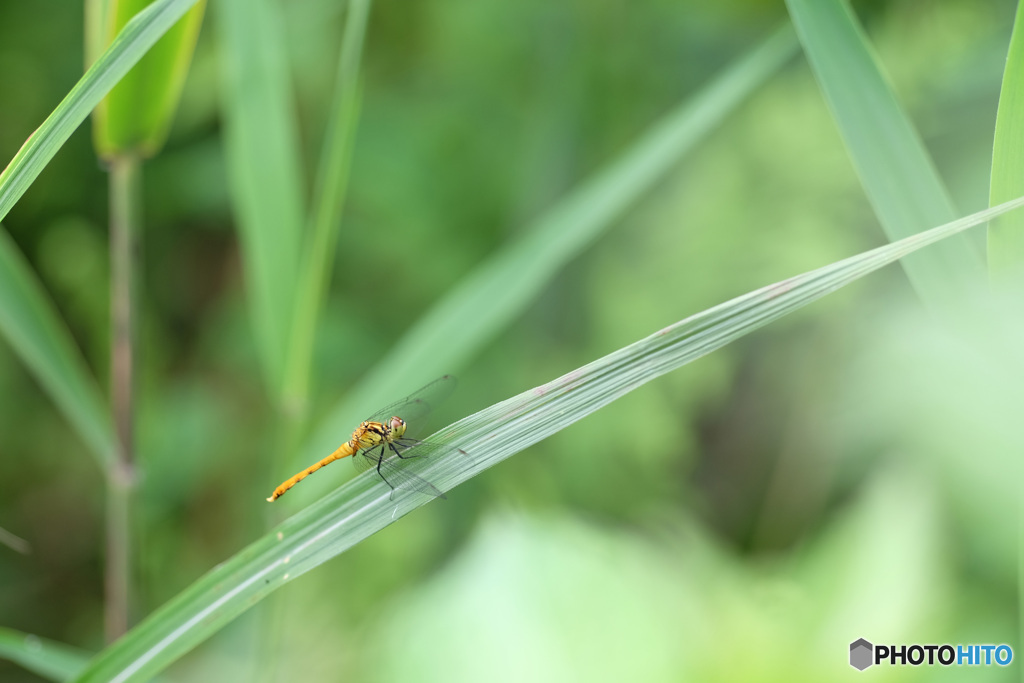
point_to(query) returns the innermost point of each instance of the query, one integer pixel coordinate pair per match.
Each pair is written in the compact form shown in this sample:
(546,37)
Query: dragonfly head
(397,426)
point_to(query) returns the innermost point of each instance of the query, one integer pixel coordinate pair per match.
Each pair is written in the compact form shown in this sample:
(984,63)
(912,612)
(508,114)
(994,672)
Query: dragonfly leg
(380,461)
(397,452)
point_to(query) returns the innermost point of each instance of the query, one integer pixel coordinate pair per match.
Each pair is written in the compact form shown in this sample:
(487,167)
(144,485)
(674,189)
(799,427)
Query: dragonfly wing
(396,473)
(394,470)
(415,448)
(367,458)
(415,407)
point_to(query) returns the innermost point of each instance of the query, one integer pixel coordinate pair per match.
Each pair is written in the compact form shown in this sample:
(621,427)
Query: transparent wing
(391,460)
(394,458)
(367,458)
(392,466)
(415,407)
(406,448)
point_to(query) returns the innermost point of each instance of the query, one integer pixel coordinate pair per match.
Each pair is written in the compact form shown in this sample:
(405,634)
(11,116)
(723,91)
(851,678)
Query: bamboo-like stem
(124,215)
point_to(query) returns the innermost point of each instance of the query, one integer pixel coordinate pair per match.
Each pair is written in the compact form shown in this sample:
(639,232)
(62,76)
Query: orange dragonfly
(380,443)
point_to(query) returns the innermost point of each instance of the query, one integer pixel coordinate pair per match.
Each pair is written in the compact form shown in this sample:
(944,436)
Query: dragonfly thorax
(372,434)
(368,435)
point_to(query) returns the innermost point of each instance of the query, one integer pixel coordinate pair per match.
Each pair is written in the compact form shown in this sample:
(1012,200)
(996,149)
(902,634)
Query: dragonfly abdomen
(345,450)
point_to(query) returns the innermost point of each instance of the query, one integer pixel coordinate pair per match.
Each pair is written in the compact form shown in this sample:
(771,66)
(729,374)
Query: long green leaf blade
(1005,241)
(49,659)
(328,202)
(137,37)
(262,150)
(501,288)
(1005,238)
(34,329)
(893,165)
(363,506)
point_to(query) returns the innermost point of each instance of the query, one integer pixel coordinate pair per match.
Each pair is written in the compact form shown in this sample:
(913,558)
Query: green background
(851,467)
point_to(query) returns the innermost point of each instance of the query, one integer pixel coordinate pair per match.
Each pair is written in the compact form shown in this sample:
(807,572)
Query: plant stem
(124,214)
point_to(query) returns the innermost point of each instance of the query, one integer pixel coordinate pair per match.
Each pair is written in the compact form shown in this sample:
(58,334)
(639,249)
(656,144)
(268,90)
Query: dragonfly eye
(397,425)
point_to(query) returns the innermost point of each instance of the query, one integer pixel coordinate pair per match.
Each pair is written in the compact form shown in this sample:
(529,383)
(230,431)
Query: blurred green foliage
(752,495)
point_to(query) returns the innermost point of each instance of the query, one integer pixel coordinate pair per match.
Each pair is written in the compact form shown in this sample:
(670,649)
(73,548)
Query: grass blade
(363,506)
(97,21)
(332,184)
(49,659)
(893,165)
(31,324)
(137,37)
(264,168)
(1005,238)
(500,288)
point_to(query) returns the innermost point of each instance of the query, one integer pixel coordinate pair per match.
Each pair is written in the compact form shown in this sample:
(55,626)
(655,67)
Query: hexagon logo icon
(861,654)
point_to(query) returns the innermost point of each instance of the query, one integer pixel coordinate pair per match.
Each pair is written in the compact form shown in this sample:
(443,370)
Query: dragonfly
(380,443)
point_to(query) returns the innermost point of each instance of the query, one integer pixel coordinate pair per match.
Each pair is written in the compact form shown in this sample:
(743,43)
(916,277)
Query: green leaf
(137,37)
(97,23)
(136,115)
(893,165)
(332,184)
(264,169)
(49,659)
(363,506)
(1005,238)
(499,289)
(31,324)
